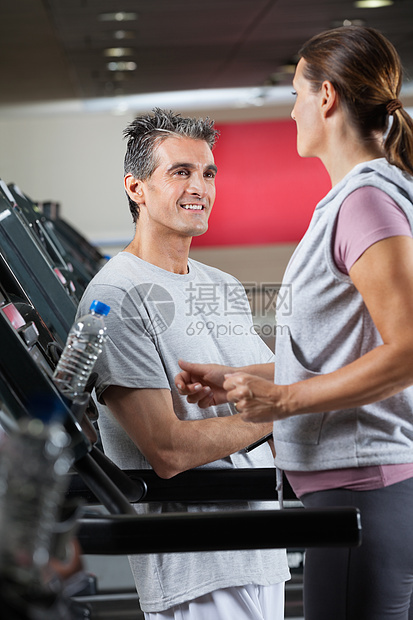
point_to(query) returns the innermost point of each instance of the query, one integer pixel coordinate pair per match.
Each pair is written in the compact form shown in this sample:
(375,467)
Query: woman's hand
(256,399)
(202,383)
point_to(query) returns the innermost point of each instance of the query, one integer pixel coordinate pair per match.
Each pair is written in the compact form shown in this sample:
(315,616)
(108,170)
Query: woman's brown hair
(365,69)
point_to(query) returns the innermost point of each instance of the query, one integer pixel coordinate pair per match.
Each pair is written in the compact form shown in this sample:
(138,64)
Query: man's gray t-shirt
(156,318)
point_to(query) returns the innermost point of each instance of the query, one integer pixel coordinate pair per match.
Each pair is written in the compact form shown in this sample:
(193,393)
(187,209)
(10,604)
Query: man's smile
(191,207)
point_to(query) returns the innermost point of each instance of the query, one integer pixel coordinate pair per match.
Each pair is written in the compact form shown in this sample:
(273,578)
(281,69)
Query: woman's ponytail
(398,145)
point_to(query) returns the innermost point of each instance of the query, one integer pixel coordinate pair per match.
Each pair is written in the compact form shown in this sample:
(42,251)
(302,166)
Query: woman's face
(307,115)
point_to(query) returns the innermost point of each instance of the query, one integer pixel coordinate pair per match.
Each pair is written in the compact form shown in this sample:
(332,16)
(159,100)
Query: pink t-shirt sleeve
(366,216)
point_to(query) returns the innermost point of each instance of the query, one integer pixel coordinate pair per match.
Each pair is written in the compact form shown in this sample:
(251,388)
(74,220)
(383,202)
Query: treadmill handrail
(195,485)
(223,530)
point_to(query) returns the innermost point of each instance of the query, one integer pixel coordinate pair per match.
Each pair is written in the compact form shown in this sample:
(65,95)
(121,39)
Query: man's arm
(172,445)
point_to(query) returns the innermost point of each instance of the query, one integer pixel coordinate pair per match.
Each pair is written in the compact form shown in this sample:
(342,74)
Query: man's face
(178,197)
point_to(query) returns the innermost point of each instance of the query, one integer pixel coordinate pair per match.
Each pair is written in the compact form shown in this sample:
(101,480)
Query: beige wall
(74,160)
(250,264)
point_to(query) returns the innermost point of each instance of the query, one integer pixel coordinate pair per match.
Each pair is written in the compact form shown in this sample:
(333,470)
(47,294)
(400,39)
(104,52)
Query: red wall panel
(266,193)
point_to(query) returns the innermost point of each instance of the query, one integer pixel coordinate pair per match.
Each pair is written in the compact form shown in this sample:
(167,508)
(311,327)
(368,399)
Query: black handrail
(222,530)
(196,485)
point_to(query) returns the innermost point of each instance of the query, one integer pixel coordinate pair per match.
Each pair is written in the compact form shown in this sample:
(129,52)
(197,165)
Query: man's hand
(202,383)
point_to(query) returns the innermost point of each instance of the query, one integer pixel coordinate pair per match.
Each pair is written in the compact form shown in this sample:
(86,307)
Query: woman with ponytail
(342,398)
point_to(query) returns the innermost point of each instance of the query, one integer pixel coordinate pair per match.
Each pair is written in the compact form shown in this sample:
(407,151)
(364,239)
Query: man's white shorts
(249,602)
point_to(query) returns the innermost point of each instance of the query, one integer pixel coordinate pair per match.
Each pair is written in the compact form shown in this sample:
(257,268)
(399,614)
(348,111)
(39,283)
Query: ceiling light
(122,66)
(120,16)
(124,34)
(372,4)
(348,22)
(117,52)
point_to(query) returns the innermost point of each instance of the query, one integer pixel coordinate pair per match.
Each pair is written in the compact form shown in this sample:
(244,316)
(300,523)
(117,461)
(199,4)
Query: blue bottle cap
(99,307)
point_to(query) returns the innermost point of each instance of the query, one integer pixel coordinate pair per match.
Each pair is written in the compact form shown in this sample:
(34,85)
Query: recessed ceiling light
(117,52)
(122,66)
(348,22)
(372,4)
(124,34)
(119,16)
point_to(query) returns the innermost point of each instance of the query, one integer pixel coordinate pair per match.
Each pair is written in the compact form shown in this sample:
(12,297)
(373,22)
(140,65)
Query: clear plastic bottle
(84,343)
(34,461)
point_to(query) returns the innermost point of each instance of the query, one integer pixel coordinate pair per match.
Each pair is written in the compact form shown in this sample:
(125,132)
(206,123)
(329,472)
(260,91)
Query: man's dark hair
(146,132)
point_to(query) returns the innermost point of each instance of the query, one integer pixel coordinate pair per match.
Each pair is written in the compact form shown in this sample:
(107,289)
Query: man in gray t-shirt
(165,306)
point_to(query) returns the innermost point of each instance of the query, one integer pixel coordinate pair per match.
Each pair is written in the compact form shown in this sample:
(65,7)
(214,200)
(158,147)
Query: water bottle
(34,460)
(84,343)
